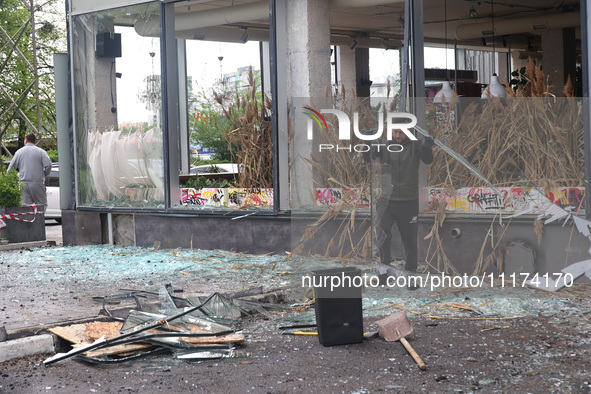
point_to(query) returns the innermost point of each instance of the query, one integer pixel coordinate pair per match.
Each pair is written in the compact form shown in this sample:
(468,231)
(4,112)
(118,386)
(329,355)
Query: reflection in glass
(116,56)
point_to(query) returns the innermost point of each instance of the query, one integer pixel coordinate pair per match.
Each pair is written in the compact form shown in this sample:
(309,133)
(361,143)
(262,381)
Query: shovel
(394,328)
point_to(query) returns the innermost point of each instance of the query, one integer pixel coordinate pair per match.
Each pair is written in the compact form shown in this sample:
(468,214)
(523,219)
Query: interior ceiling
(516,21)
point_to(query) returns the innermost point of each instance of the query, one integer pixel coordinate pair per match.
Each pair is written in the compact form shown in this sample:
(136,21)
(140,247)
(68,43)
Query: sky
(203,66)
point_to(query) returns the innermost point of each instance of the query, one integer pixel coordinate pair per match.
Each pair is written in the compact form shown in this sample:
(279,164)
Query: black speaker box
(107,46)
(339,314)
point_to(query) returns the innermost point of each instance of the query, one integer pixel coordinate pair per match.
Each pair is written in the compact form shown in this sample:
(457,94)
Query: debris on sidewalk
(571,273)
(394,328)
(192,328)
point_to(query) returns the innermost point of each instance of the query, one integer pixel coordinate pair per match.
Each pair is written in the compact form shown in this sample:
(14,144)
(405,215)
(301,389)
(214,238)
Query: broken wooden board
(117,350)
(228,338)
(87,332)
(97,329)
(77,335)
(81,335)
(73,333)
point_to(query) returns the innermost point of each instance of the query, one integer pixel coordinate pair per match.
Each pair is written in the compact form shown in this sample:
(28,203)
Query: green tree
(215,114)
(18,106)
(206,125)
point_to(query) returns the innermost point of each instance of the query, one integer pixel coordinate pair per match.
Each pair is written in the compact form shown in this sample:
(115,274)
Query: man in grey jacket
(401,204)
(33,165)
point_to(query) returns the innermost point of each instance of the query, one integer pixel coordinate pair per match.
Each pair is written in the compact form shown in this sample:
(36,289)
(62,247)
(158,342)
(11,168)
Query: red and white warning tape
(14,216)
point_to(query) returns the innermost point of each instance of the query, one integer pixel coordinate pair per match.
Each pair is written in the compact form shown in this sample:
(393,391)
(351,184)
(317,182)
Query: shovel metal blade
(395,326)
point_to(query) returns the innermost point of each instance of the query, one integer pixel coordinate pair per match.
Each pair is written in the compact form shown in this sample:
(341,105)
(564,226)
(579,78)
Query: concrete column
(362,71)
(277,63)
(266,68)
(347,70)
(569,54)
(185,156)
(501,67)
(558,48)
(308,80)
(104,80)
(99,82)
(308,47)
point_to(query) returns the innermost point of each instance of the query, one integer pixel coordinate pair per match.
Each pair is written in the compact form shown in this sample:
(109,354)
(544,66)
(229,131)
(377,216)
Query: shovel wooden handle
(414,354)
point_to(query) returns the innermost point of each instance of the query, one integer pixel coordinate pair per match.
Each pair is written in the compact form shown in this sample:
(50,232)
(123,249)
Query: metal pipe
(35,70)
(110,228)
(586,60)
(357,3)
(272,10)
(222,16)
(253,11)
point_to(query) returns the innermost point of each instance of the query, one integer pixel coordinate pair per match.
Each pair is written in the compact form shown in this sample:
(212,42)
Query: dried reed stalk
(346,170)
(443,263)
(538,139)
(250,136)
(534,141)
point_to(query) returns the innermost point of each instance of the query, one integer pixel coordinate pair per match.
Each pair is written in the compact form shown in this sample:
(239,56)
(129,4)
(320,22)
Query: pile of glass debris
(148,323)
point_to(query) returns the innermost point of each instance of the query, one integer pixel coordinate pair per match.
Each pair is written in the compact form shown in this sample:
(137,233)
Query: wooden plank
(120,350)
(73,333)
(229,338)
(28,331)
(83,334)
(95,330)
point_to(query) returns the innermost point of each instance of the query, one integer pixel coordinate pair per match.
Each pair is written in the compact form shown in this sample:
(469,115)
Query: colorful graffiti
(513,199)
(466,200)
(242,198)
(568,197)
(215,197)
(332,195)
(227,197)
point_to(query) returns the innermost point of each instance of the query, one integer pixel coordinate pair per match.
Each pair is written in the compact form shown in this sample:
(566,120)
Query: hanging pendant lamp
(494,89)
(445,94)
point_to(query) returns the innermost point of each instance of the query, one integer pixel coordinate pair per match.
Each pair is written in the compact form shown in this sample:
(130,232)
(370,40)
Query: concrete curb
(28,346)
(19,245)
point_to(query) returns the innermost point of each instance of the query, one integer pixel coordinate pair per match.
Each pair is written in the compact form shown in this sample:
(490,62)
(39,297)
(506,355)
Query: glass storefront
(118,107)
(331,156)
(224,115)
(490,159)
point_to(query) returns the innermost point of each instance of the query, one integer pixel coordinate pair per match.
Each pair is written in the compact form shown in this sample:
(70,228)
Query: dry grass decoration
(250,135)
(348,171)
(536,141)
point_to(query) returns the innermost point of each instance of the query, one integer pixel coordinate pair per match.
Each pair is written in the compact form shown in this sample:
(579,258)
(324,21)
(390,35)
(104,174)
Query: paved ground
(489,340)
(53,231)
(531,356)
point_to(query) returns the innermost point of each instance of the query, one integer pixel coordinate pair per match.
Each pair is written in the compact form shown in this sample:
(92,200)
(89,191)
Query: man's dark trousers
(404,214)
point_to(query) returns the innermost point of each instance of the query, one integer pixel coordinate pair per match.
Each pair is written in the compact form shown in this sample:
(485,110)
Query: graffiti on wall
(512,199)
(332,195)
(241,198)
(469,200)
(227,197)
(568,197)
(215,197)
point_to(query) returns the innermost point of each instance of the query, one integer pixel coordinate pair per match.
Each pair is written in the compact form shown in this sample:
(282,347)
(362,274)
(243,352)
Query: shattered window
(118,107)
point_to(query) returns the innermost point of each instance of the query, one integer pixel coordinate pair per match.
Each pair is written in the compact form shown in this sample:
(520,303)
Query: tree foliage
(18,107)
(211,121)
(11,189)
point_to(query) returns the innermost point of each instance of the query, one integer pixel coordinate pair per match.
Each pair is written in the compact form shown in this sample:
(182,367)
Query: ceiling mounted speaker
(107,46)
